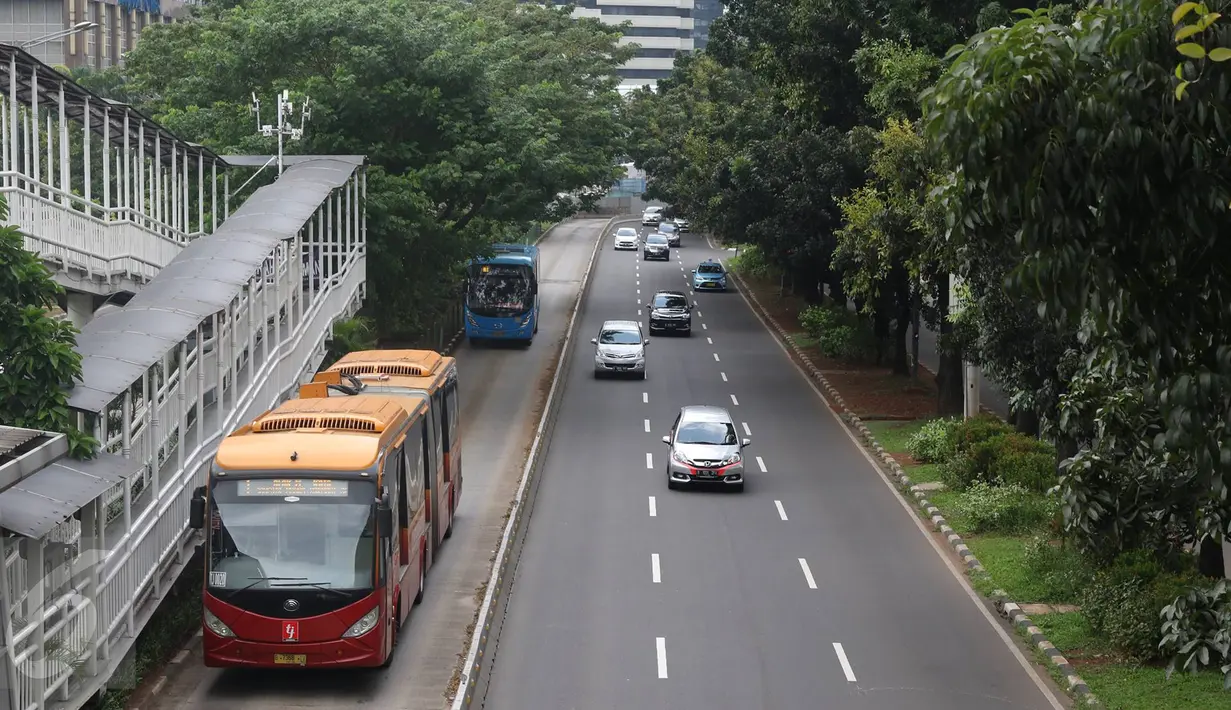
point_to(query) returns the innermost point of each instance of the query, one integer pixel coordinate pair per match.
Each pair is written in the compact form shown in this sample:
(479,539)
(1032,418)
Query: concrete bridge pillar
(80,308)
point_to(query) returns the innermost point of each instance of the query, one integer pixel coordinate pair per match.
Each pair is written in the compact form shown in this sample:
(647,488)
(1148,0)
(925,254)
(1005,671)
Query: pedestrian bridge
(225,322)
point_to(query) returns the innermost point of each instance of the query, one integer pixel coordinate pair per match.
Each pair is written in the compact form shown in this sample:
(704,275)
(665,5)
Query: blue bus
(502,294)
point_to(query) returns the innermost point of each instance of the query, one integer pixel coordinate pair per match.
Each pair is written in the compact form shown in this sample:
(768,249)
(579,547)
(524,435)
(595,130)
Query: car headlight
(732,459)
(681,458)
(366,623)
(215,625)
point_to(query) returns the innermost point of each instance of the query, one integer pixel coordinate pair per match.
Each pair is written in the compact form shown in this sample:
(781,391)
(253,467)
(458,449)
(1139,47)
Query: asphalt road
(500,389)
(815,588)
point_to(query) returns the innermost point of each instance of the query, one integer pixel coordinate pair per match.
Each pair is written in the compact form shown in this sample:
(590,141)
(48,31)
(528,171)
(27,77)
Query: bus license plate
(291,659)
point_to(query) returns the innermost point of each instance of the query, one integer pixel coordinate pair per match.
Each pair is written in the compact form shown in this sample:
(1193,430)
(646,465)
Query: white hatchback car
(627,238)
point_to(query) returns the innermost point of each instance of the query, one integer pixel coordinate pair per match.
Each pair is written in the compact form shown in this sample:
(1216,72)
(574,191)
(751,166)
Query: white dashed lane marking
(660,644)
(724,376)
(647,426)
(709,340)
(734,400)
(716,358)
(807,573)
(653,508)
(704,327)
(781,510)
(761,463)
(846,664)
(656,569)
(649,460)
(747,431)
(645,397)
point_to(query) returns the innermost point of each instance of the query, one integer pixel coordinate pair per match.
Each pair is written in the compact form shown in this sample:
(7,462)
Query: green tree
(37,360)
(475,115)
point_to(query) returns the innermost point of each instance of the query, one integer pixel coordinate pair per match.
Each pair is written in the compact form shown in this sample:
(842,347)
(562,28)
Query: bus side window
(415,483)
(438,412)
(453,414)
(404,471)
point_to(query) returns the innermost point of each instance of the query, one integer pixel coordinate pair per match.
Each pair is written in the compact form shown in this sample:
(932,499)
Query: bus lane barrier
(476,670)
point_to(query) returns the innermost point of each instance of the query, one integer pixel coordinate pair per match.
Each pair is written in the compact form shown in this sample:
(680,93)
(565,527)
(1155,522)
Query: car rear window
(656,239)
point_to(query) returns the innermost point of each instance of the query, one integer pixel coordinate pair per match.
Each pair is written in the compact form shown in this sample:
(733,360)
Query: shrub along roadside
(1010,527)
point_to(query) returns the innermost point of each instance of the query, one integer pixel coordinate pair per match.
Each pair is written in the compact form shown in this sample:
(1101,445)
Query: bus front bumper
(481,330)
(231,653)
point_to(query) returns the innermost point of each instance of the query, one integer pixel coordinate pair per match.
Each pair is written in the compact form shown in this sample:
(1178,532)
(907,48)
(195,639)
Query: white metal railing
(250,356)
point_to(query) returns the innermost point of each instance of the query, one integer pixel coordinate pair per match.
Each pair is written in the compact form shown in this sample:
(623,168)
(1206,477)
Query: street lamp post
(75,29)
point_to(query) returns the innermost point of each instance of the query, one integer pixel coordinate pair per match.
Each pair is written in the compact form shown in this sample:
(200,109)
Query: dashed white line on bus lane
(807,573)
(761,463)
(724,376)
(653,508)
(716,358)
(647,426)
(747,431)
(781,510)
(656,569)
(734,400)
(660,645)
(645,397)
(649,460)
(846,664)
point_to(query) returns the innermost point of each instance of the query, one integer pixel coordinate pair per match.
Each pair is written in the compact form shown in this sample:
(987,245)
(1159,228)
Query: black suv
(656,247)
(669,311)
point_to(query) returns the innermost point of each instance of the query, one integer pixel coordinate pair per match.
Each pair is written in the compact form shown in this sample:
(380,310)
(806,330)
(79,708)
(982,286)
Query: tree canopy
(476,116)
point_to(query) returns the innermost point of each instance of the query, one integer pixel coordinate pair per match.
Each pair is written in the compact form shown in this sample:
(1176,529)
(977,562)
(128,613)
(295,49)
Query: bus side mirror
(196,509)
(384,519)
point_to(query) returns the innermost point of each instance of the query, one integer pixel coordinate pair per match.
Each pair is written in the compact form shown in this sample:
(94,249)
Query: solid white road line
(645,397)
(653,508)
(656,569)
(781,510)
(647,426)
(716,358)
(649,460)
(734,400)
(807,573)
(762,465)
(846,665)
(709,340)
(724,376)
(661,645)
(747,431)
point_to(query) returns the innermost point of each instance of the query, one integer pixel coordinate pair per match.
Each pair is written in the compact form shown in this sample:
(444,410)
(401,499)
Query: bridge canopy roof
(118,347)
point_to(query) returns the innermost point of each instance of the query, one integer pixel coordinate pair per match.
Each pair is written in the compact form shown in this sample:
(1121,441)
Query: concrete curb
(1000,599)
(475,671)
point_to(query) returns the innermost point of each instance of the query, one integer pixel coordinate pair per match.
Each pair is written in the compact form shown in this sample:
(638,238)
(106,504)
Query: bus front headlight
(365,624)
(215,624)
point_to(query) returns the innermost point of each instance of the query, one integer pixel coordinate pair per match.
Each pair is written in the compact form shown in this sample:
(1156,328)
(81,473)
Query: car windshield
(307,531)
(653,210)
(709,269)
(626,232)
(497,290)
(669,301)
(656,239)
(619,337)
(708,433)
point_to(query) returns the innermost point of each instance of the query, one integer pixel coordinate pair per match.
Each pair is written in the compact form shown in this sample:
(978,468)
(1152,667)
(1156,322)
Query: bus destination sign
(302,487)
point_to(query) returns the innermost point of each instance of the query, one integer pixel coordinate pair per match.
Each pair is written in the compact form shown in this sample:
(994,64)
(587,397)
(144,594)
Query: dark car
(670,311)
(673,235)
(656,247)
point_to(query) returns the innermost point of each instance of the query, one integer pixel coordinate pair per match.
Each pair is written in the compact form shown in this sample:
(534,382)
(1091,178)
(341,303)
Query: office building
(662,28)
(106,29)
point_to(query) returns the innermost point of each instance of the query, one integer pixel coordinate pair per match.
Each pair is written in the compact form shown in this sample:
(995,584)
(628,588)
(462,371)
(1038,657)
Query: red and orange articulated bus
(317,537)
(420,375)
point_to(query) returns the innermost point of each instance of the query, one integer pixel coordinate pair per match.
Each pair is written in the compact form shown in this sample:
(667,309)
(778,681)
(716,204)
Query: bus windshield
(499,290)
(292,532)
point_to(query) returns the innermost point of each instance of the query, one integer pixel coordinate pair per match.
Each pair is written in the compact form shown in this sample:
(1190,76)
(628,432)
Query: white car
(626,238)
(652,216)
(619,349)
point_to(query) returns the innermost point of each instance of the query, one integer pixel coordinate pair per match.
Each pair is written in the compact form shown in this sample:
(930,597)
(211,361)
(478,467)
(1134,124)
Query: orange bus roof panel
(311,451)
(408,363)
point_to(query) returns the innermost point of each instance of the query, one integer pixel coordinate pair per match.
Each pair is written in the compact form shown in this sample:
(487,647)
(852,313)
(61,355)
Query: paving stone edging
(1007,608)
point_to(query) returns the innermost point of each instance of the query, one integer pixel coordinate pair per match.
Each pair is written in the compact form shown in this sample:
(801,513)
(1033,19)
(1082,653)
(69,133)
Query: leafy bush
(1124,602)
(750,262)
(1004,509)
(1196,630)
(969,432)
(1062,572)
(840,333)
(1007,458)
(931,444)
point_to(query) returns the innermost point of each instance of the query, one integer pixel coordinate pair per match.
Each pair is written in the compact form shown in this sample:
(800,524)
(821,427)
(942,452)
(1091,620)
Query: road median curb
(1004,606)
(476,668)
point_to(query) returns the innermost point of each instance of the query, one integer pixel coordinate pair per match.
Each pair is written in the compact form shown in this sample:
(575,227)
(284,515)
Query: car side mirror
(746,442)
(694,271)
(666,440)
(594,341)
(648,305)
(647,341)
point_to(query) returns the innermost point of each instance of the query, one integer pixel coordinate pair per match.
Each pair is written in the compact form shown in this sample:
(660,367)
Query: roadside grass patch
(893,435)
(925,473)
(1122,686)
(804,340)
